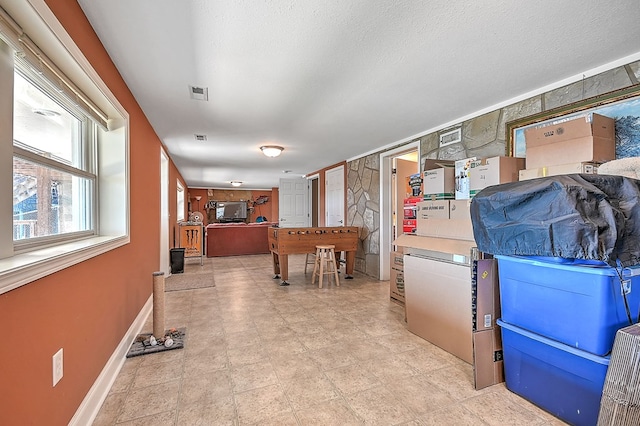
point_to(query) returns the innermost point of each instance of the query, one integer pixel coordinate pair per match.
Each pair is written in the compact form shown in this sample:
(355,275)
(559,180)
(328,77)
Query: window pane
(48,202)
(43,126)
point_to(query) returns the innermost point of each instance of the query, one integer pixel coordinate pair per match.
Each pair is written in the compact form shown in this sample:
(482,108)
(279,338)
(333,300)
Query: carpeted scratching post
(158,305)
(161,339)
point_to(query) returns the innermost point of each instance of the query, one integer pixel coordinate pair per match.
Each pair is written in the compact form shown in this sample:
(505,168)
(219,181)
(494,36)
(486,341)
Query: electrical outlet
(57,367)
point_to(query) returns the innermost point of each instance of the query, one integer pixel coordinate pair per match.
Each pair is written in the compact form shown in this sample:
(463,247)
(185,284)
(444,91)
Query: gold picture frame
(626,97)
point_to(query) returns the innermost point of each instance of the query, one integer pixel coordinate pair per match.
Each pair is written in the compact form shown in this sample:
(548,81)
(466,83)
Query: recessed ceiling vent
(201,138)
(199,93)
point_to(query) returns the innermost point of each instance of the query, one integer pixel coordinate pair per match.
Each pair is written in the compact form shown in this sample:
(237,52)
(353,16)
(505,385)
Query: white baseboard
(90,406)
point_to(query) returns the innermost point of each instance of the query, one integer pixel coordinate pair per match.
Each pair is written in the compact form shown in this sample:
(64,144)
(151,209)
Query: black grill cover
(577,216)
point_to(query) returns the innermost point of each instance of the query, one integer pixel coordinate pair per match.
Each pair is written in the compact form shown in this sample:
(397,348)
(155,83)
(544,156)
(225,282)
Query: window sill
(22,269)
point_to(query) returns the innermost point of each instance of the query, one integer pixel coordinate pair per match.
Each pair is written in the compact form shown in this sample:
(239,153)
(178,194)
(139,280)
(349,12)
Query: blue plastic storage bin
(578,304)
(562,380)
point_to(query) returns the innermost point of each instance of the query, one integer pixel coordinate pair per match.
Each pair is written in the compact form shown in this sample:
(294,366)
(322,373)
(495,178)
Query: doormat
(142,345)
(187,281)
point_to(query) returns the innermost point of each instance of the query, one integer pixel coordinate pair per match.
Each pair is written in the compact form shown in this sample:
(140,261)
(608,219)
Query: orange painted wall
(85,309)
(193,193)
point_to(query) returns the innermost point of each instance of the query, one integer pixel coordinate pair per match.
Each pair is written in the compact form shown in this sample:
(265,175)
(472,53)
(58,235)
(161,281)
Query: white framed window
(64,164)
(180,197)
(53,164)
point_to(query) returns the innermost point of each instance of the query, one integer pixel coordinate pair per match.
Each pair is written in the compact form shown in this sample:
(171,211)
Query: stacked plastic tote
(567,261)
(559,321)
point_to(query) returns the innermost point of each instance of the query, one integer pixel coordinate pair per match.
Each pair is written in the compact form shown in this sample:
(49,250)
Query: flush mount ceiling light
(236,183)
(271,150)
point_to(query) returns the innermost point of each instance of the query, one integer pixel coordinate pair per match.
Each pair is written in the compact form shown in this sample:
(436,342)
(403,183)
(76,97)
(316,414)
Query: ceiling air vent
(199,93)
(201,138)
(451,136)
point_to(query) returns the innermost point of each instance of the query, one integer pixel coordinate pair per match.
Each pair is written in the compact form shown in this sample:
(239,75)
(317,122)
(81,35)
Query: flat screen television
(231,211)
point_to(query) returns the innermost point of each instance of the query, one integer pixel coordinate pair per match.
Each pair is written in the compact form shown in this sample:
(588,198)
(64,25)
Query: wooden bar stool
(309,262)
(325,264)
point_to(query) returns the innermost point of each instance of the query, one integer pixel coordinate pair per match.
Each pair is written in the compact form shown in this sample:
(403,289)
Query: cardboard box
(488,364)
(493,171)
(415,244)
(409,225)
(460,209)
(396,279)
(590,138)
(485,294)
(561,169)
(590,125)
(585,149)
(430,164)
(414,182)
(439,184)
(438,209)
(462,168)
(457,229)
(485,310)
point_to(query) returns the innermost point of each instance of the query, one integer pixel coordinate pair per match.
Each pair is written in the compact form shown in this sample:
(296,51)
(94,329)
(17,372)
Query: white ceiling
(330,80)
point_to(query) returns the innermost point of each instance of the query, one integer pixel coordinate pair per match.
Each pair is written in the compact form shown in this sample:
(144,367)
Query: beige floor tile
(150,400)
(352,378)
(378,406)
(332,412)
(246,355)
(110,410)
(206,360)
(306,390)
(425,360)
(153,374)
(420,396)
(365,349)
(317,340)
(126,376)
(294,365)
(331,357)
(496,410)
(261,354)
(167,418)
(455,380)
(205,388)
(260,405)
(284,348)
(253,376)
(218,411)
(389,369)
(451,415)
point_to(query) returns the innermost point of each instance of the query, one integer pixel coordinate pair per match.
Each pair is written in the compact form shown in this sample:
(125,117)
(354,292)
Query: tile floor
(257,353)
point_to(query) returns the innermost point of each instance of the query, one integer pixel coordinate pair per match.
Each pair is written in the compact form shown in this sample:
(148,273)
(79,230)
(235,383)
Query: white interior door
(293,203)
(164,213)
(334,197)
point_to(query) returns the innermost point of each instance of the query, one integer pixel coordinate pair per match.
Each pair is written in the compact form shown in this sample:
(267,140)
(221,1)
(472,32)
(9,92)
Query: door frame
(314,201)
(386,216)
(165,214)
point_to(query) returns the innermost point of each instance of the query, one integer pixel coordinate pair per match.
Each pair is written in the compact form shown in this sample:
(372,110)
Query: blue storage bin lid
(604,360)
(586,265)
(567,261)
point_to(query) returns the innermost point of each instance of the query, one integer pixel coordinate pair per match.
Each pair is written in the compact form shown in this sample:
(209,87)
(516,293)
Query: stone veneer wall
(363,211)
(482,136)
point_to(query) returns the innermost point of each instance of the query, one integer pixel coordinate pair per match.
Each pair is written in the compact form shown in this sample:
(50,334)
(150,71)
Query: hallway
(259,353)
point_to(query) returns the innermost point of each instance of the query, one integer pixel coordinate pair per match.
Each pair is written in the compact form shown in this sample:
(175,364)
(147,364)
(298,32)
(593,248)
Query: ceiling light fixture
(236,183)
(271,150)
